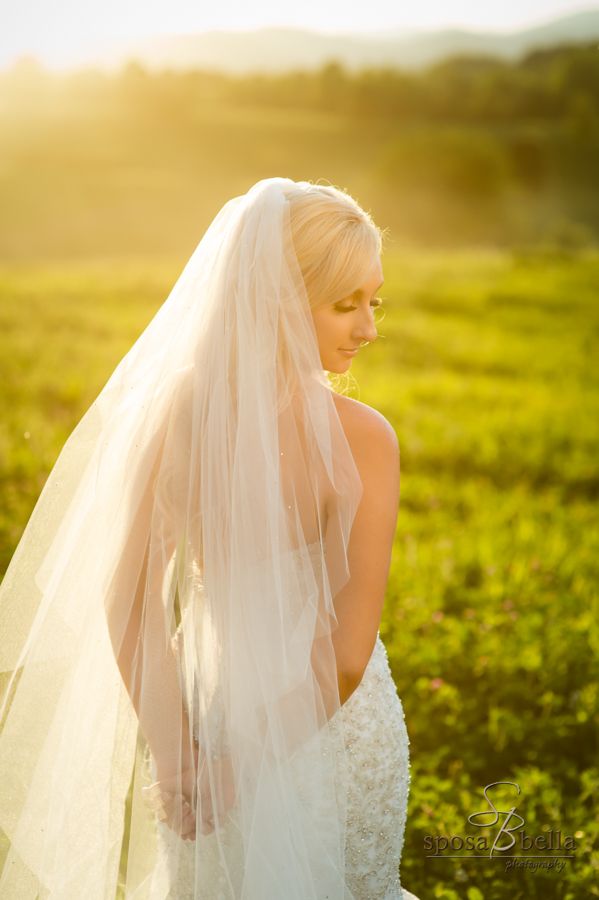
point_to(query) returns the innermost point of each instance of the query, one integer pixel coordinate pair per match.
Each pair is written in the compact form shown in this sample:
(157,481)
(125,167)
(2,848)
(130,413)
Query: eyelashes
(376,304)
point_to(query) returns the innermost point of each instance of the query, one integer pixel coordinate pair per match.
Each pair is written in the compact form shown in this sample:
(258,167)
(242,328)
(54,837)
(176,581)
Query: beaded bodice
(376,745)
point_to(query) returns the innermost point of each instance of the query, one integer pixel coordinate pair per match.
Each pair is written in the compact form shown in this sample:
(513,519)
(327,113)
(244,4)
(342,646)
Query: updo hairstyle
(336,242)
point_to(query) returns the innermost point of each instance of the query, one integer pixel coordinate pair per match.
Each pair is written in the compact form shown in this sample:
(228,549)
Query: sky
(53,29)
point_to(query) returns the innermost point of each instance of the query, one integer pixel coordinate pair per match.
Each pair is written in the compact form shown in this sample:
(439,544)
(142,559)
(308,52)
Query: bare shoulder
(369,434)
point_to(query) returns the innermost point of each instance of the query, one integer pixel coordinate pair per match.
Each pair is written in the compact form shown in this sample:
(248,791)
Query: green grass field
(488,372)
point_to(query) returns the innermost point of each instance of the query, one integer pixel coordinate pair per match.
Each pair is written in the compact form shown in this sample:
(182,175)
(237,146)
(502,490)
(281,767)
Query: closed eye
(375,304)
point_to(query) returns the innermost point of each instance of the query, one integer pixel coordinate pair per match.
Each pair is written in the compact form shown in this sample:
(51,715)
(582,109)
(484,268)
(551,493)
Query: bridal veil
(196,523)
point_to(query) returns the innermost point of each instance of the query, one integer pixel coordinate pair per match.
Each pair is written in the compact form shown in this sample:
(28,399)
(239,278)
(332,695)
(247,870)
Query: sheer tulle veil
(200,512)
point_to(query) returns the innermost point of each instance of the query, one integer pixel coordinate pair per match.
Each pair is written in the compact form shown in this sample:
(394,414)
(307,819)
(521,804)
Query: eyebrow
(360,293)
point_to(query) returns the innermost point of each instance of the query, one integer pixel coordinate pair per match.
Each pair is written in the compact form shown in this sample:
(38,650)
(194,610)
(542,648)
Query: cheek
(330,329)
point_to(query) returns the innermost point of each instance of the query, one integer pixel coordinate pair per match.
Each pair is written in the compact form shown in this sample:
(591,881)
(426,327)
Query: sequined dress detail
(377,749)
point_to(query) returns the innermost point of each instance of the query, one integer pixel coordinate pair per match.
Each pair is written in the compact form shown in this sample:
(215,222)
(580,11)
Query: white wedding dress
(376,745)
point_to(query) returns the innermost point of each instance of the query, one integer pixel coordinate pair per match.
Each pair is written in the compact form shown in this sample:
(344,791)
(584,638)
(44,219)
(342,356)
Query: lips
(351,352)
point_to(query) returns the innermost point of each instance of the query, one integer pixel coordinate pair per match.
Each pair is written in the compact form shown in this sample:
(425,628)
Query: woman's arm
(144,652)
(359,604)
(145,656)
(137,623)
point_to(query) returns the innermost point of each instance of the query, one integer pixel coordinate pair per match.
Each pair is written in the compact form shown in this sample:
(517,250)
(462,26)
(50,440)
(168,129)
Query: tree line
(544,86)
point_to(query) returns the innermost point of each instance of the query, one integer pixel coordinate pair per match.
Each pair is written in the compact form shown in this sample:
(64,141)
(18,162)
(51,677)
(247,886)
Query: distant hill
(283,49)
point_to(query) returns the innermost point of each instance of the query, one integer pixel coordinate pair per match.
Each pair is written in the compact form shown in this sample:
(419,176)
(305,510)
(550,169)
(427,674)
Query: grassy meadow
(488,373)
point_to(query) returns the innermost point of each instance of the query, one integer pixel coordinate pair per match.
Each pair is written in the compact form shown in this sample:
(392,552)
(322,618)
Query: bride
(196,692)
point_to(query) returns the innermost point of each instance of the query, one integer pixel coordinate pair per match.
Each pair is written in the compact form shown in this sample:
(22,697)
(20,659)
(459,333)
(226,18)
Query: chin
(339,368)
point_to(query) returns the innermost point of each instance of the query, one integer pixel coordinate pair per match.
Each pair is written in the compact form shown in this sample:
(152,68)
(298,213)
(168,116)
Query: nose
(365,329)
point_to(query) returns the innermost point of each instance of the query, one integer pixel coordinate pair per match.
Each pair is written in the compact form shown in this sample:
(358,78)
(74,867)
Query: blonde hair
(335,242)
